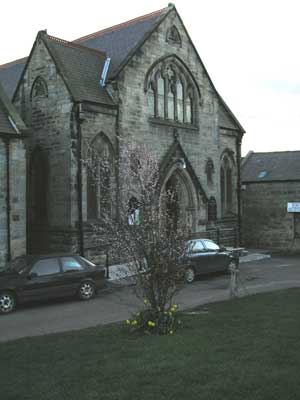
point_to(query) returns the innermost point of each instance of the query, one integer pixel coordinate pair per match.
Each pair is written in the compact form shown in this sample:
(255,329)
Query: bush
(154,321)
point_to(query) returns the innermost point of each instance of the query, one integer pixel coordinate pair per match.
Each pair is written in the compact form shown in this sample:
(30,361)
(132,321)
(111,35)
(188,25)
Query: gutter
(238,162)
(79,180)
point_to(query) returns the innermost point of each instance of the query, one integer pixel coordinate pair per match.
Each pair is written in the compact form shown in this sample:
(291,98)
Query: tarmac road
(118,302)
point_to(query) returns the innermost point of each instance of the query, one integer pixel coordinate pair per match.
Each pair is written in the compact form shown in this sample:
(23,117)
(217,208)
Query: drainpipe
(8,199)
(79,181)
(238,160)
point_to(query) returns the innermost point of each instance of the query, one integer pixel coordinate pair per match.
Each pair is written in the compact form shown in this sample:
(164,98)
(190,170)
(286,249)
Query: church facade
(139,82)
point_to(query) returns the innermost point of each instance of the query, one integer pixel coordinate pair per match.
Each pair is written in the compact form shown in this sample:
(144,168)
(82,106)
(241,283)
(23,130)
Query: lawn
(243,349)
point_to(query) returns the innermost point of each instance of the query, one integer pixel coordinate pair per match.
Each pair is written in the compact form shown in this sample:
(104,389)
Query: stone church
(142,81)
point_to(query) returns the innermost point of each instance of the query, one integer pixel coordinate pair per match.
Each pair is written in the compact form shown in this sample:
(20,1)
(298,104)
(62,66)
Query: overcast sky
(250,49)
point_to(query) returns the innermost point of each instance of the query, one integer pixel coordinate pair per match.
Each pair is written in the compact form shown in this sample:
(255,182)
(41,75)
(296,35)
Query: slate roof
(8,113)
(118,41)
(80,67)
(273,166)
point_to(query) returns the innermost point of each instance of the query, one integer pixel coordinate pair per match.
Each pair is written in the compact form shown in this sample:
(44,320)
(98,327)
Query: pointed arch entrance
(37,214)
(180,200)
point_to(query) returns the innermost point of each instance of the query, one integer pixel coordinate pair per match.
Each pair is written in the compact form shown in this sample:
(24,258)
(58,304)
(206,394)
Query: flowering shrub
(155,321)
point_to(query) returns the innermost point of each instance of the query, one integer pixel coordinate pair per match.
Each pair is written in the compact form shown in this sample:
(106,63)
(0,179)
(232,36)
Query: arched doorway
(37,214)
(180,199)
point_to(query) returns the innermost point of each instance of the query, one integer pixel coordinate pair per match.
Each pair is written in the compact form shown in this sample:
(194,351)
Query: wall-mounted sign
(293,207)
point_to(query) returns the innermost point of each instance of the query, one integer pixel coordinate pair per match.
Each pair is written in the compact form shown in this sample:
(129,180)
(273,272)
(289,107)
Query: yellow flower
(151,324)
(134,322)
(145,301)
(171,332)
(127,322)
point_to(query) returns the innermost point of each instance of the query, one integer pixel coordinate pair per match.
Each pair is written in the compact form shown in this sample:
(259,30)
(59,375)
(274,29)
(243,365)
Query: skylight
(262,174)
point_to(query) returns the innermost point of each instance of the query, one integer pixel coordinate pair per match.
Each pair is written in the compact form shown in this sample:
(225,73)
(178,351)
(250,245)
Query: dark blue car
(203,256)
(34,278)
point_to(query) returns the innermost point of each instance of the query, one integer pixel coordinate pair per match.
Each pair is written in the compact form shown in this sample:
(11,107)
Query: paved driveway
(117,303)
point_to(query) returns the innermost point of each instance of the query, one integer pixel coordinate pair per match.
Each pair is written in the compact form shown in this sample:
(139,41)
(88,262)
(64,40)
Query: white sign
(293,207)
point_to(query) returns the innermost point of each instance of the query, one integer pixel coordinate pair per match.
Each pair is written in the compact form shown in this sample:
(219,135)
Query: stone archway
(180,199)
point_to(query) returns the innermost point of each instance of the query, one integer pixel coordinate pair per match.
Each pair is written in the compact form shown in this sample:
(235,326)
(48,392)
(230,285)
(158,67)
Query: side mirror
(222,248)
(32,275)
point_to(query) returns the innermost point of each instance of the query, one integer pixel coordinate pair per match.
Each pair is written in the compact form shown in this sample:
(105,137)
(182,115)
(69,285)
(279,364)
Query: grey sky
(250,49)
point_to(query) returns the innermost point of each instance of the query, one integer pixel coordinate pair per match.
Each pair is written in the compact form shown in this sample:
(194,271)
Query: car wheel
(7,302)
(86,290)
(189,275)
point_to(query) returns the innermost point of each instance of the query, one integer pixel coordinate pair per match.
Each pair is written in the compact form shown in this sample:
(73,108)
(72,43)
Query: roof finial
(171,5)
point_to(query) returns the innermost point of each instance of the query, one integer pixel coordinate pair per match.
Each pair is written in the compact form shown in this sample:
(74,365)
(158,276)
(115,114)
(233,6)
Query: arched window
(173,36)
(226,176)
(209,170)
(171,103)
(39,88)
(160,96)
(179,88)
(212,209)
(151,101)
(172,92)
(100,179)
(189,110)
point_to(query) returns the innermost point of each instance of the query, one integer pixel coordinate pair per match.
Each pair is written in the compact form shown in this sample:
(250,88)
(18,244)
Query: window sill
(171,123)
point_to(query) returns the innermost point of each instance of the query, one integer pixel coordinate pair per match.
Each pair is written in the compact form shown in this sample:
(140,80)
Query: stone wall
(200,142)
(49,120)
(17,184)
(265,220)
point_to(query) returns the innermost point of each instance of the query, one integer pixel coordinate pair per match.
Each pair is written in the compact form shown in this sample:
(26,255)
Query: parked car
(203,256)
(31,278)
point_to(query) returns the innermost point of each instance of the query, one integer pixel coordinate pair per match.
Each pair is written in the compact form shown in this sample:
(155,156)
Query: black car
(31,278)
(203,256)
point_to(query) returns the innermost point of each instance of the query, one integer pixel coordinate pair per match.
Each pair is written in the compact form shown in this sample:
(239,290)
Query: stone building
(271,181)
(143,81)
(12,182)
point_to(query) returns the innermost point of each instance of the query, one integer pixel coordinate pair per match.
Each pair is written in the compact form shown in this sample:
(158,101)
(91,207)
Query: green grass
(243,349)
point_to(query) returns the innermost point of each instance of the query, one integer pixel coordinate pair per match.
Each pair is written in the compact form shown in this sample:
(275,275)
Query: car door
(215,257)
(43,280)
(73,271)
(198,257)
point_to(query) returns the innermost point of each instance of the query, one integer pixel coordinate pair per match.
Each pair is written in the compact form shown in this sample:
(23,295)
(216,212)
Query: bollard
(234,271)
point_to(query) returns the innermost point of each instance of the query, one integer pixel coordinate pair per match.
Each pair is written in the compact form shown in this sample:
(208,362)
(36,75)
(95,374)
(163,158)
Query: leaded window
(100,179)
(226,175)
(171,94)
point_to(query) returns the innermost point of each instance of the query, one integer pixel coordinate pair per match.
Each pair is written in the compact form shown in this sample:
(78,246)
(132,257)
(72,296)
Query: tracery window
(226,175)
(100,179)
(39,88)
(173,36)
(171,93)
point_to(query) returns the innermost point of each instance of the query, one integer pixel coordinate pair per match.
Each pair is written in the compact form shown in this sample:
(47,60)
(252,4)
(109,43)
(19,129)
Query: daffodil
(171,332)
(145,301)
(127,322)
(134,322)
(151,324)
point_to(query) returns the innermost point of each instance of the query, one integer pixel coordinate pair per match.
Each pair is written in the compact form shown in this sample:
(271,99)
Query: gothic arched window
(226,176)
(209,170)
(171,92)
(173,36)
(39,88)
(100,178)
(212,209)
